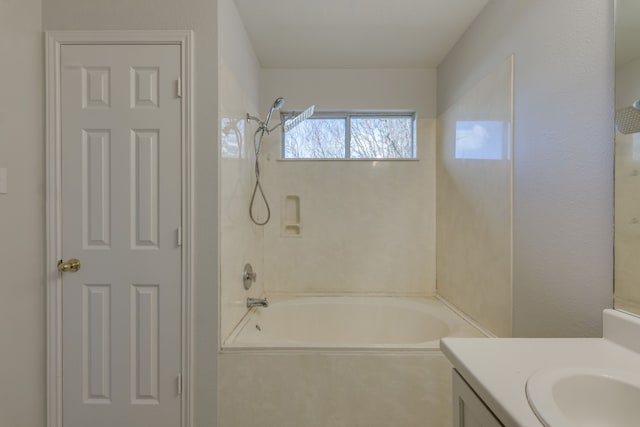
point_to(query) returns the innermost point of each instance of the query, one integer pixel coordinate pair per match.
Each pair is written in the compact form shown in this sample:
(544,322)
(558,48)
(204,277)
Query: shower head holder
(287,125)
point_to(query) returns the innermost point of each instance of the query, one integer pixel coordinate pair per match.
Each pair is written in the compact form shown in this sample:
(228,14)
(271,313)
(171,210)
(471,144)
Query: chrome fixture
(263,127)
(248,276)
(257,302)
(291,123)
(628,119)
(277,104)
(287,124)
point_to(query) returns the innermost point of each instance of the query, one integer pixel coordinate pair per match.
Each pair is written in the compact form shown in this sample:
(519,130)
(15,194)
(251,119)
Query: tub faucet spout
(257,302)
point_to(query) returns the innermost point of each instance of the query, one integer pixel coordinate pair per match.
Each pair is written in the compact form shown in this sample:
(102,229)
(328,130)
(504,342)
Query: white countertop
(498,368)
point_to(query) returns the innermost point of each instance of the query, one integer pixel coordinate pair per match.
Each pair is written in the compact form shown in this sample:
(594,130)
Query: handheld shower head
(277,104)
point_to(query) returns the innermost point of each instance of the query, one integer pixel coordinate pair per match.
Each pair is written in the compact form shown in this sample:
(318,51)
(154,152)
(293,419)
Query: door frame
(54,40)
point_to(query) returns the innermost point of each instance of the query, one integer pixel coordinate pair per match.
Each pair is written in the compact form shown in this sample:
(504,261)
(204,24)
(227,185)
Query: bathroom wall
(201,17)
(367,226)
(563,153)
(627,208)
(474,164)
(22,242)
(240,239)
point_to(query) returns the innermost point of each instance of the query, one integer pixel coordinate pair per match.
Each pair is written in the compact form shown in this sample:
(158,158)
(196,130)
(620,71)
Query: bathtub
(349,322)
(348,361)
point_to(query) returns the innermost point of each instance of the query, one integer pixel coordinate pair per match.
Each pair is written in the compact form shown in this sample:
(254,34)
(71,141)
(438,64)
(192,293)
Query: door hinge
(179,234)
(179,384)
(179,87)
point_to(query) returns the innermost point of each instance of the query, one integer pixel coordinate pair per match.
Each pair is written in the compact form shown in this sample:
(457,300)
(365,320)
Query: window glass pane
(377,137)
(316,138)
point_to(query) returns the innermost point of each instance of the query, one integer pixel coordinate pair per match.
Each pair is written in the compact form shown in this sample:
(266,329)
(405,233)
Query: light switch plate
(3,180)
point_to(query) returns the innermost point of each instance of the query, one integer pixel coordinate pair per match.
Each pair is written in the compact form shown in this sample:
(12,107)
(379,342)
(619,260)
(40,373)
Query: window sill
(346,160)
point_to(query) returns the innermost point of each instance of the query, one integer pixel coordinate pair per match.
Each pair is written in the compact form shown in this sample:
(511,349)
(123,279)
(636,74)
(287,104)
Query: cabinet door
(468,409)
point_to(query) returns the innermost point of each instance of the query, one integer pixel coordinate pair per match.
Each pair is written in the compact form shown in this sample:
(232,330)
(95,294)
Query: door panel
(121,210)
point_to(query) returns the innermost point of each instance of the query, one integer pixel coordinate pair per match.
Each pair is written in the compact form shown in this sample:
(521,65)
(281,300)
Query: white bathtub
(339,361)
(349,322)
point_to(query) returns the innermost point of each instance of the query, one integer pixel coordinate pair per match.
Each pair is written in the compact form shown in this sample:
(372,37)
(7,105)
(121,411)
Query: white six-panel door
(121,217)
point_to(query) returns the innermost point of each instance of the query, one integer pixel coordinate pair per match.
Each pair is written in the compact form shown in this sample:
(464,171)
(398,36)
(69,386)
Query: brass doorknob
(71,266)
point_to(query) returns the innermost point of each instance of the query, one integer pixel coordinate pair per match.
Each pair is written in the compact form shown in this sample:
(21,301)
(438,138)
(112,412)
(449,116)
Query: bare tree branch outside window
(316,138)
(381,137)
(371,136)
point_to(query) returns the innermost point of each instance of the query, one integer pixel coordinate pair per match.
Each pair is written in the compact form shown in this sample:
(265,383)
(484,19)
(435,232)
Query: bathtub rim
(371,349)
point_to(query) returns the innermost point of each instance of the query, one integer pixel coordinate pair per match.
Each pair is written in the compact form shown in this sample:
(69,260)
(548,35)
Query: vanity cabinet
(468,409)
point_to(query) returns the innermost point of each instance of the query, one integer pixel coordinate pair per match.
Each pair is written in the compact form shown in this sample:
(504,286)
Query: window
(357,135)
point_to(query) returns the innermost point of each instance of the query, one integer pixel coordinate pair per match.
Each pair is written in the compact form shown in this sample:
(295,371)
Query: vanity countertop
(498,368)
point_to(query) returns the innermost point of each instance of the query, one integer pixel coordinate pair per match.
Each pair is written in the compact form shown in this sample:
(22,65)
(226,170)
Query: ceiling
(355,33)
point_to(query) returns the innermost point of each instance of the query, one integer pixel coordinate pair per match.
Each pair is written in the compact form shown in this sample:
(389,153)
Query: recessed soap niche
(291,216)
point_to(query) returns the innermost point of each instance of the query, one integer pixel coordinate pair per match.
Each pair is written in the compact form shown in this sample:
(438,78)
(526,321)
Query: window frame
(347,115)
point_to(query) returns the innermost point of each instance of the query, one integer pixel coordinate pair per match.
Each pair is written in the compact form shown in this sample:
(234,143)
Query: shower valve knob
(248,276)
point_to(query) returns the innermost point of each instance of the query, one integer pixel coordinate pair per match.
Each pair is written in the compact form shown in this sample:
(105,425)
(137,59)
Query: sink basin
(585,397)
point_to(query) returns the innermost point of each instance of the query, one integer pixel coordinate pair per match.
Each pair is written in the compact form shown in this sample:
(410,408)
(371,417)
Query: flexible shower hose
(257,188)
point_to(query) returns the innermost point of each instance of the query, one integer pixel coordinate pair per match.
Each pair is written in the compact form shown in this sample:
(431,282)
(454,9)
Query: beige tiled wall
(367,226)
(474,202)
(240,240)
